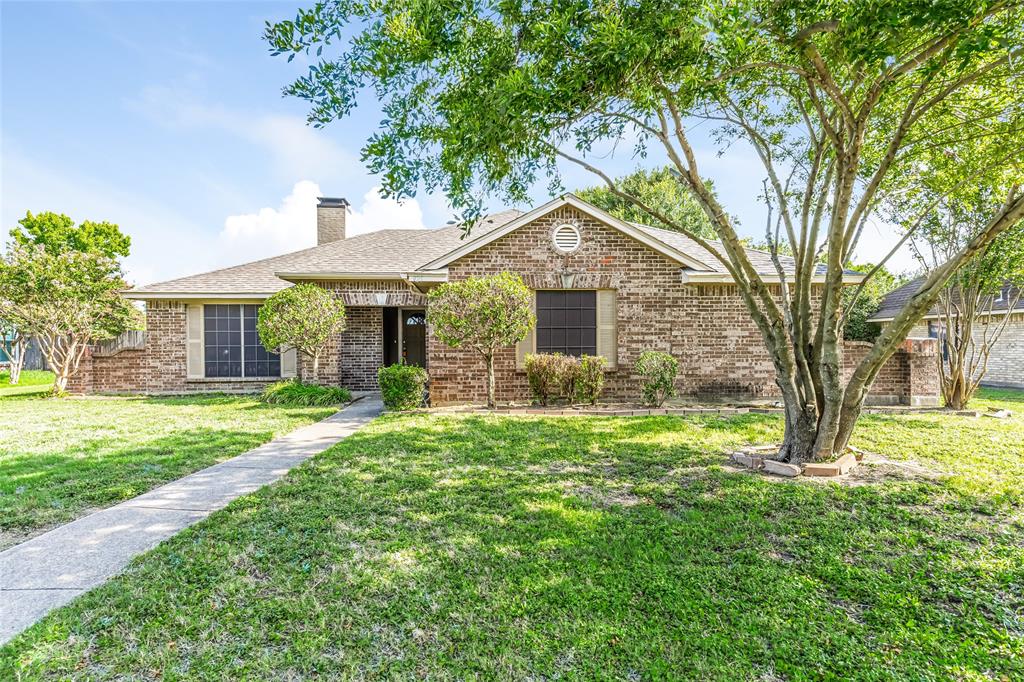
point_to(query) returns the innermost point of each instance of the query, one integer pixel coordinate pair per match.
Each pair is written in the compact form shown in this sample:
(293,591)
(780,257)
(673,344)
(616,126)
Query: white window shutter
(194,341)
(607,327)
(289,364)
(527,345)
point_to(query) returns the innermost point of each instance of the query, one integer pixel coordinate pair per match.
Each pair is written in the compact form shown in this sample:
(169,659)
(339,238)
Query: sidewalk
(50,570)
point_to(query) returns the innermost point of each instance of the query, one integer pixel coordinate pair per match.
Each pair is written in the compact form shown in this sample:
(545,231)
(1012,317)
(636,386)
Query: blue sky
(167,118)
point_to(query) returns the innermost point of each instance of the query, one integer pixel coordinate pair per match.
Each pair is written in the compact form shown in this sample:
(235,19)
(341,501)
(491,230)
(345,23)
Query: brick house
(602,286)
(1006,359)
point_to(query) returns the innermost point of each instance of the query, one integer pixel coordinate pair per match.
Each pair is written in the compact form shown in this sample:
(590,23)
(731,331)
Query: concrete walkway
(50,570)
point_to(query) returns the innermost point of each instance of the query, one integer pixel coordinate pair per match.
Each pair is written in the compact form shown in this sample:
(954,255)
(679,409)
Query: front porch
(386,324)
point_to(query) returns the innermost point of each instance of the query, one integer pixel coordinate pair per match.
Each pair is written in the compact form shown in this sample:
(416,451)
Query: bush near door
(402,386)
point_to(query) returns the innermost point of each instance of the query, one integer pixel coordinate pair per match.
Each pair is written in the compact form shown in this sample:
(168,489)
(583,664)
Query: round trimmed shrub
(402,387)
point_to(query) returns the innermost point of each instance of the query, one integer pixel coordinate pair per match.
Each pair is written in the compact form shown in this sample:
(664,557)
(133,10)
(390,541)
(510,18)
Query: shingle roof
(894,301)
(384,251)
(394,252)
(761,260)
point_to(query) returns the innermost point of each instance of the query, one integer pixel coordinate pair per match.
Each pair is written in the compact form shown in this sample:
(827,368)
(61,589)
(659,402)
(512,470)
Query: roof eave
(691,277)
(176,295)
(336,275)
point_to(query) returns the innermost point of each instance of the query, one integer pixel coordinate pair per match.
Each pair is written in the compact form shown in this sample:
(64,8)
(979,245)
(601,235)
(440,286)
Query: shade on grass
(61,458)
(514,548)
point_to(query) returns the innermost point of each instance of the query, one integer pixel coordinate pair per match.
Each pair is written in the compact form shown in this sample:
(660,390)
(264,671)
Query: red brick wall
(352,361)
(160,367)
(706,327)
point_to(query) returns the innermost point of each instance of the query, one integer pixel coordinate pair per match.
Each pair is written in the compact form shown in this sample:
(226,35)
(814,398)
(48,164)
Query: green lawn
(433,546)
(61,458)
(30,381)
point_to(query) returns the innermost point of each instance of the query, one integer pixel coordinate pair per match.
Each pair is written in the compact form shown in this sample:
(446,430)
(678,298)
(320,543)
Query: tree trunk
(17,355)
(316,368)
(60,382)
(801,435)
(491,402)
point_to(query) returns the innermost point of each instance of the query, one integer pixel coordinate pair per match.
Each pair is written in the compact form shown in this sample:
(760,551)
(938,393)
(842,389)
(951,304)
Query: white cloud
(272,231)
(292,225)
(377,213)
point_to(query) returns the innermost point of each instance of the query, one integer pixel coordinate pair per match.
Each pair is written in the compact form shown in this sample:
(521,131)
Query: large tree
(836,100)
(659,189)
(58,233)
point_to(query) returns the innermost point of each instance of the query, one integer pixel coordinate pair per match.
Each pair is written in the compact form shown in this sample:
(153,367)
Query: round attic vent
(566,238)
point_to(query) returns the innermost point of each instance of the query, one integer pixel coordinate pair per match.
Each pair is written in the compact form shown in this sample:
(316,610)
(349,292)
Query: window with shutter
(231,347)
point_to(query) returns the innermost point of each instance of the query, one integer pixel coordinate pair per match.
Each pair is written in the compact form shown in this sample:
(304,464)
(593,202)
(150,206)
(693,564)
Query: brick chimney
(330,219)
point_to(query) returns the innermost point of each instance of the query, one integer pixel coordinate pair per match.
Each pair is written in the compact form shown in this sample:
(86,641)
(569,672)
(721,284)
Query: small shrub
(589,378)
(568,371)
(402,386)
(305,395)
(550,375)
(658,371)
(542,376)
(565,376)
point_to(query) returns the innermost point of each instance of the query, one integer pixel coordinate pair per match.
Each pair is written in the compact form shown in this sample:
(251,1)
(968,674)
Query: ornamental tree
(837,100)
(305,317)
(68,301)
(483,314)
(971,303)
(58,233)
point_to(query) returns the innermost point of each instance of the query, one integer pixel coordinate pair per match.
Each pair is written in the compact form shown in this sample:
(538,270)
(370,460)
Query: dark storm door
(414,337)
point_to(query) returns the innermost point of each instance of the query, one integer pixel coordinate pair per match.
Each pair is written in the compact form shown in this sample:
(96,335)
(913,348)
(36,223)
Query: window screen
(258,361)
(567,322)
(232,346)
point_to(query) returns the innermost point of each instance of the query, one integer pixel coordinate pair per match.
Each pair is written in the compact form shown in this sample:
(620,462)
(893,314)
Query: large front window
(567,322)
(233,347)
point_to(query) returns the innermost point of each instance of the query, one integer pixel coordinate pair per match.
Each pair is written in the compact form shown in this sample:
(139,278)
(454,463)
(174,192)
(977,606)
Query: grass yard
(61,458)
(597,548)
(30,381)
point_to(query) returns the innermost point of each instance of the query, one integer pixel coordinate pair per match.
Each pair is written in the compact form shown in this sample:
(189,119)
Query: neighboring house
(34,358)
(603,286)
(1006,359)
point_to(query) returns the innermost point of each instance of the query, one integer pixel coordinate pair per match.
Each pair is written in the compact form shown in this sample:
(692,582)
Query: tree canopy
(659,189)
(68,300)
(483,314)
(305,316)
(845,106)
(58,233)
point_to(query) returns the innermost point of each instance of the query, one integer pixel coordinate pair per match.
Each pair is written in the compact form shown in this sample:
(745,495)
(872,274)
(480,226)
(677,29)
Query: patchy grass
(30,381)
(61,458)
(587,548)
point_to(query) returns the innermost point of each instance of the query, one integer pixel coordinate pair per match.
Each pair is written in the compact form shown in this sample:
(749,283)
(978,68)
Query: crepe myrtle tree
(835,99)
(483,314)
(305,317)
(68,300)
(972,305)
